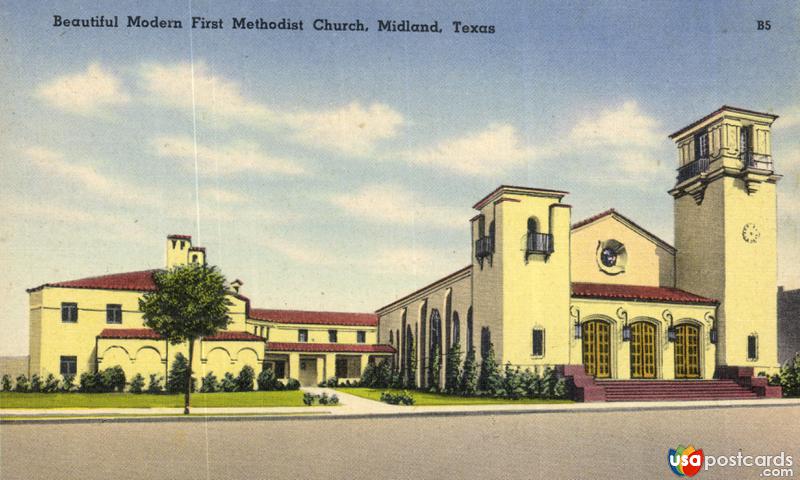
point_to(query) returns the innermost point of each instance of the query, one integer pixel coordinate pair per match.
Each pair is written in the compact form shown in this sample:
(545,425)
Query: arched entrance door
(643,350)
(596,340)
(687,351)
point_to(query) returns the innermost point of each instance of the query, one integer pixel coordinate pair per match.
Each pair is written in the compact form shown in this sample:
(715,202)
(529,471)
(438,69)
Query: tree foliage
(189,302)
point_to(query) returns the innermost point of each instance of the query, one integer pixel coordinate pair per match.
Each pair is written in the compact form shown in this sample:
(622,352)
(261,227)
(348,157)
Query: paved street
(588,445)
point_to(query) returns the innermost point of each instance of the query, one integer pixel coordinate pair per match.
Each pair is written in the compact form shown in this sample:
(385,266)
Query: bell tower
(726,229)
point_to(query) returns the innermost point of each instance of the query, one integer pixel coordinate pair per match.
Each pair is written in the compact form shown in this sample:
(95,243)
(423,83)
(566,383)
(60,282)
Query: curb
(325,415)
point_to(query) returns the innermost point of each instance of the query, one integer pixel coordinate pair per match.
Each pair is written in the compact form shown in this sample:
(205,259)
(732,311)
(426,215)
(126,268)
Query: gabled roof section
(136,281)
(627,222)
(315,318)
(455,276)
(642,293)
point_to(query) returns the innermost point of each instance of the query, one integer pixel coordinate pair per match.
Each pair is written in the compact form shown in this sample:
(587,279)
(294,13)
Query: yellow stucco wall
(649,262)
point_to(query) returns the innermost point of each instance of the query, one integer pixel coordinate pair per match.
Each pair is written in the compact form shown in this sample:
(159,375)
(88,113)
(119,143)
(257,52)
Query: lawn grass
(428,398)
(291,398)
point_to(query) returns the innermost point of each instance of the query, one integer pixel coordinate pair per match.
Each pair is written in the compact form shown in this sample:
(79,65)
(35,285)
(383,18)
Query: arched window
(456,329)
(481,226)
(533,225)
(491,236)
(486,341)
(470,343)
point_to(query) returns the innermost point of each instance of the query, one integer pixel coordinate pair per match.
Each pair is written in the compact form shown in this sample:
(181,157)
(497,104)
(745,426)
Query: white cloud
(402,260)
(303,254)
(225,160)
(622,126)
(350,129)
(85,93)
(54,164)
(225,196)
(392,204)
(497,148)
(789,118)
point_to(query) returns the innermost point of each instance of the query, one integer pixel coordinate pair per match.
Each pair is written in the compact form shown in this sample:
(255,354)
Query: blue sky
(337,170)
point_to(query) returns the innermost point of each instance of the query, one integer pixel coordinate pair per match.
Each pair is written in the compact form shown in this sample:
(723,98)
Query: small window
(333,336)
(752,347)
(194,258)
(280,369)
(261,331)
(113,313)
(538,342)
(69,365)
(361,336)
(183,244)
(745,139)
(701,145)
(69,312)
(302,336)
(341,368)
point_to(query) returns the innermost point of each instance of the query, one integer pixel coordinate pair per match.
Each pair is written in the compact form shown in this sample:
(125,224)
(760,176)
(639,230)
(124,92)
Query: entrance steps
(667,390)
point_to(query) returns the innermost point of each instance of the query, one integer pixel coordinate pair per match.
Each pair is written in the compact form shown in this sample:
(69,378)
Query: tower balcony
(539,243)
(692,169)
(757,160)
(484,247)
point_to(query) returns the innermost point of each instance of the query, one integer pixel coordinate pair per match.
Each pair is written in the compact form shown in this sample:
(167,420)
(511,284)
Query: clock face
(750,233)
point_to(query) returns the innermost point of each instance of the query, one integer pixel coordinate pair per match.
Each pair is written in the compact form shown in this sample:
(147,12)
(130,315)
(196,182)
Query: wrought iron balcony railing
(757,160)
(484,247)
(692,169)
(539,243)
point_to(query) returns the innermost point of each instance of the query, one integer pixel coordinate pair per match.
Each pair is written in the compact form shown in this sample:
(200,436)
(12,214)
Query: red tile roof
(179,236)
(228,336)
(637,293)
(318,318)
(138,281)
(149,334)
(328,347)
(132,333)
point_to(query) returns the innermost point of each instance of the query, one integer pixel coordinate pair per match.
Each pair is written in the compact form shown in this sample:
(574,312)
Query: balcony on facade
(541,243)
(484,247)
(749,160)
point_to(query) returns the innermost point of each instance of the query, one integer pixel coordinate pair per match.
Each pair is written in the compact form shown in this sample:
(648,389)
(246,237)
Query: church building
(605,299)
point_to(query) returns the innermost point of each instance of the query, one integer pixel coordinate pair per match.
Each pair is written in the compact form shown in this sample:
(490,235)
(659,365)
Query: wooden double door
(596,340)
(643,350)
(687,351)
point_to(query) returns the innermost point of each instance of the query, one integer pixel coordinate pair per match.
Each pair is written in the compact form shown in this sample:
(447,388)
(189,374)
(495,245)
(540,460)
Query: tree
(137,383)
(176,381)
(433,373)
(452,370)
(244,382)
(490,380)
(469,375)
(189,302)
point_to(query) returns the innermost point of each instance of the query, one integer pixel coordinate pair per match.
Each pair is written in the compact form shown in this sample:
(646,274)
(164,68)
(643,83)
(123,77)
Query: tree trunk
(188,378)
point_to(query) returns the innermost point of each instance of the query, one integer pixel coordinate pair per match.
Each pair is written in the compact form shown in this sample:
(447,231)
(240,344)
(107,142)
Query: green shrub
(209,383)
(267,381)
(6,383)
(561,389)
(434,369)
(90,382)
(50,384)
(790,377)
(334,400)
(67,383)
(137,383)
(244,381)
(332,382)
(228,383)
(155,385)
(468,384)
(176,382)
(22,384)
(403,398)
(36,383)
(452,369)
(513,387)
(323,399)
(490,381)
(549,383)
(292,384)
(114,379)
(308,399)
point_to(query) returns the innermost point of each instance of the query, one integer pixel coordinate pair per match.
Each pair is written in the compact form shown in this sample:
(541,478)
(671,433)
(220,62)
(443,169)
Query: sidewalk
(351,406)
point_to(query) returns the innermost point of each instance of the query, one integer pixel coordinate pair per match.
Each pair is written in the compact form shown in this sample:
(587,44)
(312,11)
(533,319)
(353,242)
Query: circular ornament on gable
(612,257)
(750,233)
